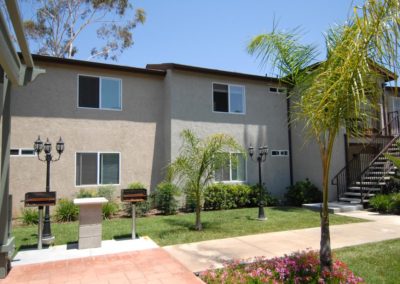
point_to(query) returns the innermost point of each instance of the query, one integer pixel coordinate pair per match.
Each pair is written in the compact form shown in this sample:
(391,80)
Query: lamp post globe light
(46,147)
(261,157)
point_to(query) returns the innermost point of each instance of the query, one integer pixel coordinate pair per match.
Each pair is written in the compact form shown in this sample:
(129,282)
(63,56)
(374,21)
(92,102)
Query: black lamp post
(262,156)
(39,147)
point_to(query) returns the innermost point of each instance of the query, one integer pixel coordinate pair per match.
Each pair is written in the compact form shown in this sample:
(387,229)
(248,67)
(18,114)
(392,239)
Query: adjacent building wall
(49,107)
(264,123)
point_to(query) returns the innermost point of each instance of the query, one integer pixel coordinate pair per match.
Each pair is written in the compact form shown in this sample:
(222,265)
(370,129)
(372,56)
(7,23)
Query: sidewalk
(202,255)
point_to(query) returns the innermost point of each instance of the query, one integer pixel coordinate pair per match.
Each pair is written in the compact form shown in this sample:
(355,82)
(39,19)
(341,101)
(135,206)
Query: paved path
(201,255)
(145,266)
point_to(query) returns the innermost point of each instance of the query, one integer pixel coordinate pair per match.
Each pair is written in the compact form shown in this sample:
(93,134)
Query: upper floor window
(234,169)
(22,152)
(228,98)
(99,92)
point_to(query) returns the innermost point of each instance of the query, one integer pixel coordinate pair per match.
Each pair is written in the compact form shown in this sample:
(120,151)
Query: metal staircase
(370,171)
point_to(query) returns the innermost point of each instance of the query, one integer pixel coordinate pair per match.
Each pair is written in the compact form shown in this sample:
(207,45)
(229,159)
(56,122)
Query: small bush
(300,267)
(268,199)
(106,191)
(302,192)
(30,216)
(222,196)
(386,203)
(136,185)
(66,211)
(190,202)
(85,193)
(164,198)
(109,209)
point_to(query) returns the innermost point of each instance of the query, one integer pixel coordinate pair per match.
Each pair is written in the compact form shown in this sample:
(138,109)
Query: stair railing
(371,151)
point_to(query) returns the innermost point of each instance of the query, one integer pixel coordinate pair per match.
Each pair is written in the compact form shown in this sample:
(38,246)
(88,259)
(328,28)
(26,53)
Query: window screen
(89,92)
(109,168)
(86,168)
(233,170)
(236,94)
(110,93)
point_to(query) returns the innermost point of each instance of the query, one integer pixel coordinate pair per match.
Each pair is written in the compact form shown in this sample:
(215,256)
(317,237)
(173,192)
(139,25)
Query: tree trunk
(198,226)
(325,253)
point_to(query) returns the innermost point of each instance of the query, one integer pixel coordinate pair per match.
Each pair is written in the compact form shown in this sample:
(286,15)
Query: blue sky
(214,33)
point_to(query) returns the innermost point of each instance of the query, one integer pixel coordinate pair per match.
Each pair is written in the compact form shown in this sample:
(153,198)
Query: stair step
(358,194)
(376,178)
(366,183)
(355,188)
(381,173)
(350,200)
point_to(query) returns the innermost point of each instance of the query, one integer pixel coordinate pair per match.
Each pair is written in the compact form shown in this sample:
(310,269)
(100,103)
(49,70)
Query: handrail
(359,165)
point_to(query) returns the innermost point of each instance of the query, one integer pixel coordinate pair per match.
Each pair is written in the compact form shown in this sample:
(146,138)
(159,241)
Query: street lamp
(261,157)
(39,146)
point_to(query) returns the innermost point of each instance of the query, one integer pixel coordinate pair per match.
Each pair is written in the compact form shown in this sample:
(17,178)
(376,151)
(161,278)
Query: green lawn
(375,263)
(169,230)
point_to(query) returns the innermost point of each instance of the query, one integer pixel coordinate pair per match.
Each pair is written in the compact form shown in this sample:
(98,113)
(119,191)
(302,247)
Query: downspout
(289,139)
(384,109)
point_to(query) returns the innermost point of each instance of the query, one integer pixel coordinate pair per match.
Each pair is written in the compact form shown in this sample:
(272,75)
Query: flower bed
(299,267)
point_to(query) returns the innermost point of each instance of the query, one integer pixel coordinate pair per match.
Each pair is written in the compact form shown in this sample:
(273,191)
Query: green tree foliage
(197,162)
(342,91)
(57,25)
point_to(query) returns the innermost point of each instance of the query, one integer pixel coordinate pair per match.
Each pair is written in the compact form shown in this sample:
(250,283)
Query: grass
(169,230)
(375,263)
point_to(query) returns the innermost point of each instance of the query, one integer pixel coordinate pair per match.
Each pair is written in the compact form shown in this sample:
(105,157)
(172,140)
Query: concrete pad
(335,207)
(200,256)
(71,251)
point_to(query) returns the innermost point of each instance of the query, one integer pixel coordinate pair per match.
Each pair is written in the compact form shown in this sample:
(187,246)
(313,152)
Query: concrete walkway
(202,255)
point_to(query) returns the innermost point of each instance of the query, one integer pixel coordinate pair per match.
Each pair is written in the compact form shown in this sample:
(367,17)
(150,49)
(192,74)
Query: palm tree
(341,92)
(197,162)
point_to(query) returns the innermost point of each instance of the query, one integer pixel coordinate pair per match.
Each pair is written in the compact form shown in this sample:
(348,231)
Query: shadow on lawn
(286,209)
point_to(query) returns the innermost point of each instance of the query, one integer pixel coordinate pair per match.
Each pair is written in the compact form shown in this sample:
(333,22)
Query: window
(277,90)
(97,168)
(99,92)
(228,98)
(280,153)
(234,170)
(22,152)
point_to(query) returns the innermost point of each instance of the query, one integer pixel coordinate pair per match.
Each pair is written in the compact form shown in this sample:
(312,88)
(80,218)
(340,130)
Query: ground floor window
(234,169)
(97,168)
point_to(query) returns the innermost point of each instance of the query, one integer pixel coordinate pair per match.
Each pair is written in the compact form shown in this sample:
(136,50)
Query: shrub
(136,185)
(109,209)
(302,192)
(66,211)
(190,202)
(300,267)
(395,203)
(85,193)
(164,198)
(30,216)
(268,199)
(229,196)
(386,203)
(106,191)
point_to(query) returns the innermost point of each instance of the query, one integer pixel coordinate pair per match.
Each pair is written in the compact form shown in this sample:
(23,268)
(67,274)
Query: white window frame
(229,98)
(230,170)
(279,90)
(98,168)
(100,79)
(20,152)
(280,153)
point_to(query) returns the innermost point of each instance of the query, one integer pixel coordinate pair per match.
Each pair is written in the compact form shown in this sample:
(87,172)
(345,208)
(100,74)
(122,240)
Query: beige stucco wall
(49,107)
(265,121)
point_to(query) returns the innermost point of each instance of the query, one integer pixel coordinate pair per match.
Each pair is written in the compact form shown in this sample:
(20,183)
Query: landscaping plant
(197,161)
(66,211)
(343,91)
(164,198)
(299,267)
(386,203)
(142,208)
(302,192)
(30,216)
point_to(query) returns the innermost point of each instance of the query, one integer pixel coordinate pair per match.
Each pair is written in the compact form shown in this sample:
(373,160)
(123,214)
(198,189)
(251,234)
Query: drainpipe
(384,109)
(289,139)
